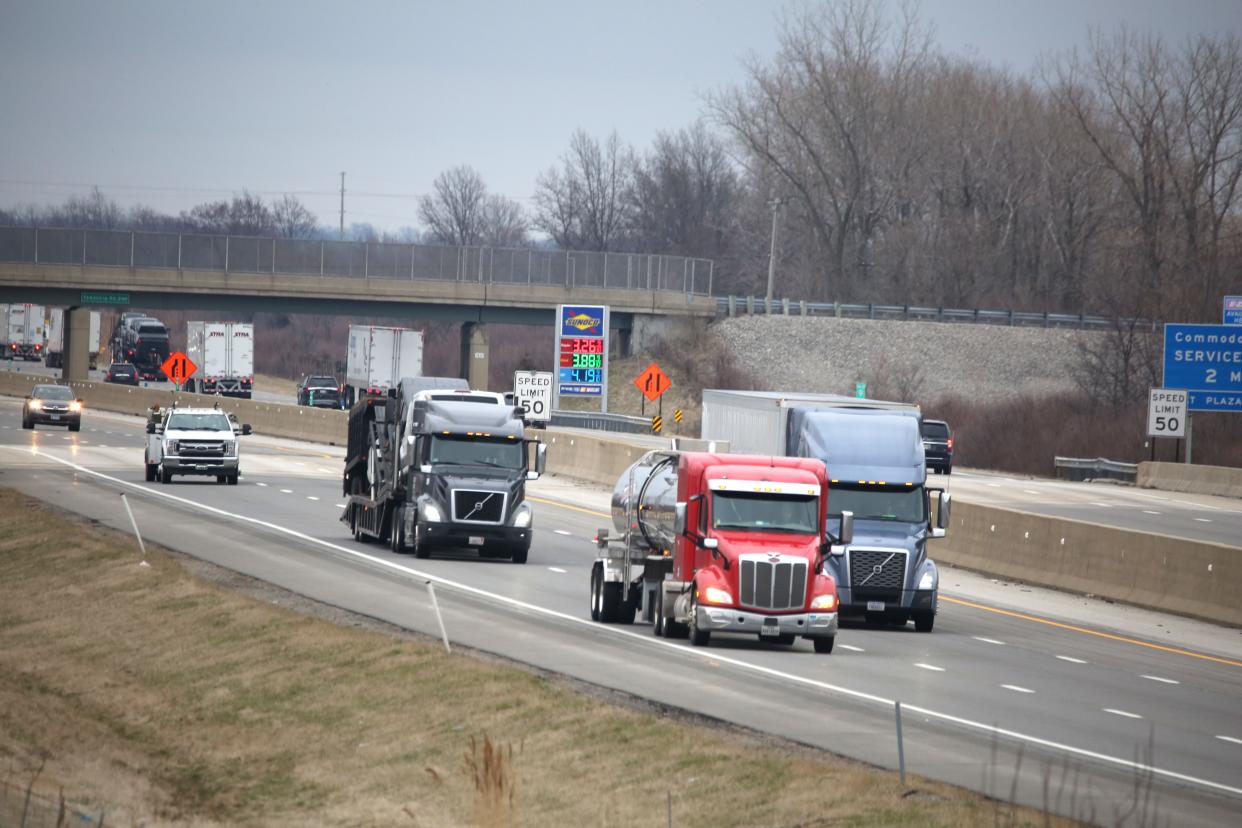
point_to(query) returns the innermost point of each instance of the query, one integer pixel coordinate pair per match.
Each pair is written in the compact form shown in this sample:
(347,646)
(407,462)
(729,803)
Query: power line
(218,190)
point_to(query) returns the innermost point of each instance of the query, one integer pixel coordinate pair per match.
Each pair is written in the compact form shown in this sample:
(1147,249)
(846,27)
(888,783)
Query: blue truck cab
(877,471)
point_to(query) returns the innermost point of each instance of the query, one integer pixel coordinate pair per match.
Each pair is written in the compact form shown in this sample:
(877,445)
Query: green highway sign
(860,390)
(91,297)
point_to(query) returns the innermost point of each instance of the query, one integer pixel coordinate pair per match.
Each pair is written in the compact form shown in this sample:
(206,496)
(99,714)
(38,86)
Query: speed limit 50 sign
(1166,413)
(532,392)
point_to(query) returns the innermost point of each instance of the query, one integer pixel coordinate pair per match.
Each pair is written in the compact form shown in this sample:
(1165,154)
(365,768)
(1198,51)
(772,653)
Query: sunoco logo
(583,321)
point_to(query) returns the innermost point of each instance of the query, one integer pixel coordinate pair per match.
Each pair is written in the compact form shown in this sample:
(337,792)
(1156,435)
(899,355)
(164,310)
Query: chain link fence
(361,260)
(23,807)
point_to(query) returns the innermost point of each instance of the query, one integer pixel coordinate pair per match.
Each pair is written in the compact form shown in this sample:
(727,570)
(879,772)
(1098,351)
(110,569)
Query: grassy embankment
(160,696)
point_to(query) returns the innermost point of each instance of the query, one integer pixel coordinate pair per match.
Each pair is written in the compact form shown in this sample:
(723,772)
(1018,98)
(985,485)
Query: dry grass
(172,700)
(276,385)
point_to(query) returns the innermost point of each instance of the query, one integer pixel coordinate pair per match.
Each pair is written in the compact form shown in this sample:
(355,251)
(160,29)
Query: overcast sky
(172,103)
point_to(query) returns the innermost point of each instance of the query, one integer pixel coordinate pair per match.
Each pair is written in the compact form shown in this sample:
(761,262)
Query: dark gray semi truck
(426,475)
(876,470)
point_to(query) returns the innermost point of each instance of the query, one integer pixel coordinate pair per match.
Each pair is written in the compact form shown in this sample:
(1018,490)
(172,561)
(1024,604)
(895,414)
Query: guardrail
(602,422)
(754,306)
(1080,468)
(362,260)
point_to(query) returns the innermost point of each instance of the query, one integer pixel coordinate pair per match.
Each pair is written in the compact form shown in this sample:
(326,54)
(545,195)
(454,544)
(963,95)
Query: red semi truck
(707,543)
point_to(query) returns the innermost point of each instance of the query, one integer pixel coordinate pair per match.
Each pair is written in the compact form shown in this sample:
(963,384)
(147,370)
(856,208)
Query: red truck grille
(768,584)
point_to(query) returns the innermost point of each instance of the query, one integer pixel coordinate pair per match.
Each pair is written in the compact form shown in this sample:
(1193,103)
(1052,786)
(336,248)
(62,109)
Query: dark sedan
(319,391)
(122,373)
(54,405)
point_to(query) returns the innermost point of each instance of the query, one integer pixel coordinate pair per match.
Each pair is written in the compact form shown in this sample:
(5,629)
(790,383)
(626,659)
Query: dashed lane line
(562,532)
(311,497)
(1015,688)
(286,491)
(987,640)
(1071,659)
(1125,714)
(851,648)
(931,667)
(1162,680)
(556,569)
(1230,739)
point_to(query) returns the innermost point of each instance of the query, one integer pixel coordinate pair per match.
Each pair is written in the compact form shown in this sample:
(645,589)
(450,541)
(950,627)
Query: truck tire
(611,603)
(698,637)
(596,593)
(75,426)
(233,478)
(670,628)
(823,646)
(221,479)
(657,615)
(924,621)
(520,554)
(165,475)
(150,469)
(26,424)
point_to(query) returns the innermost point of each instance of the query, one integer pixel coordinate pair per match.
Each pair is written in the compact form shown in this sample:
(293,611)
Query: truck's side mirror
(710,543)
(679,518)
(150,428)
(425,468)
(844,536)
(942,515)
(541,458)
(245,429)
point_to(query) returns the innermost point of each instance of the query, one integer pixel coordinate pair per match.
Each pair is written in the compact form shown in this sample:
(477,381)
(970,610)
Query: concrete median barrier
(1159,572)
(1192,479)
(597,459)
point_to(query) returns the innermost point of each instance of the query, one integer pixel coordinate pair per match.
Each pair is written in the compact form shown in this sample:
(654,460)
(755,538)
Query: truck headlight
(75,406)
(170,447)
(824,602)
(229,447)
(522,516)
(928,581)
(715,595)
(431,512)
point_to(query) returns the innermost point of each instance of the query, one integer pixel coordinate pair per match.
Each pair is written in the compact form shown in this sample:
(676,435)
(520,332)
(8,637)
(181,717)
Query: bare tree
(292,220)
(453,213)
(503,222)
(243,215)
(583,205)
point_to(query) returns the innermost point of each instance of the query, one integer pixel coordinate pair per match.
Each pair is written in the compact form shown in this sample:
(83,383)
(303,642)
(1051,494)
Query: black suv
(938,445)
(319,391)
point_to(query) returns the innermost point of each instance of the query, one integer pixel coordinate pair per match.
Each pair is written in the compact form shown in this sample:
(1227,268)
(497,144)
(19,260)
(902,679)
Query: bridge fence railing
(360,260)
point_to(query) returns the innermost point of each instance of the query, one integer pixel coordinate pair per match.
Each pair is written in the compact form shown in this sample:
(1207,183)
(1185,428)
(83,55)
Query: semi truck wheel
(396,535)
(596,593)
(520,554)
(233,478)
(823,646)
(165,475)
(924,621)
(151,467)
(698,637)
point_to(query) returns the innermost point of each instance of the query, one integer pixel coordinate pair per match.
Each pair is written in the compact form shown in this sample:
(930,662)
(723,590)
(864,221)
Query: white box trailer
(379,358)
(23,331)
(224,354)
(756,422)
(54,356)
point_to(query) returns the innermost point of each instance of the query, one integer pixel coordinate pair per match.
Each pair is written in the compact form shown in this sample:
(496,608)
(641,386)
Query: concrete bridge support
(77,345)
(474,355)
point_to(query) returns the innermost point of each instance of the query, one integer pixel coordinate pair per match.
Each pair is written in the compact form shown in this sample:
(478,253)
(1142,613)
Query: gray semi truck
(876,470)
(423,475)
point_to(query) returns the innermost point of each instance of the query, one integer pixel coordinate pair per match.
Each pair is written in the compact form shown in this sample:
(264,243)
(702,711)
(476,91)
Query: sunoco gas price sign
(582,350)
(1206,360)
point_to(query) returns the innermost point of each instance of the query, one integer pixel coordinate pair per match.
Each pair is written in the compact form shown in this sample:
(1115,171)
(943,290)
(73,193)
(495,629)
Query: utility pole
(775,204)
(342,206)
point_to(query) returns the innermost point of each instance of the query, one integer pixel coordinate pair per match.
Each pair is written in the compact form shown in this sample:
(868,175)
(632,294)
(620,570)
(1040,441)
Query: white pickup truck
(200,441)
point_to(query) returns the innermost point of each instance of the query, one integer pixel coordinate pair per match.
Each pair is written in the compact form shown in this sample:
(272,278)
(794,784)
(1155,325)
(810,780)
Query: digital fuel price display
(582,350)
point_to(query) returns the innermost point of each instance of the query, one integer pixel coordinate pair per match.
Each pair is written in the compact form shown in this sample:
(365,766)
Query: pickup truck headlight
(170,447)
(431,512)
(928,581)
(522,516)
(716,595)
(824,602)
(229,447)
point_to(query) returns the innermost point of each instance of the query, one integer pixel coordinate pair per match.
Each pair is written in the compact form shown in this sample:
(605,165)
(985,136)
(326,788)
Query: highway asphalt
(1019,695)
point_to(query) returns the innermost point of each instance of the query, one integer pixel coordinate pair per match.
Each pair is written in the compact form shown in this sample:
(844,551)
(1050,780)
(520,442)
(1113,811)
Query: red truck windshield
(765,512)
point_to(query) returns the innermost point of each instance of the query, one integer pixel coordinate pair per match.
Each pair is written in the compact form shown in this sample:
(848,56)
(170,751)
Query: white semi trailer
(23,331)
(379,358)
(224,354)
(54,356)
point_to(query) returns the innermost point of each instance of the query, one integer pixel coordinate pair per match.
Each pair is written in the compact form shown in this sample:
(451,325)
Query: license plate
(875,606)
(475,540)
(770,627)
(55,416)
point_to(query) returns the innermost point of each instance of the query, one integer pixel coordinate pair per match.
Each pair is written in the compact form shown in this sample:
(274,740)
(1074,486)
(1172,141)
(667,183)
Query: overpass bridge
(80,269)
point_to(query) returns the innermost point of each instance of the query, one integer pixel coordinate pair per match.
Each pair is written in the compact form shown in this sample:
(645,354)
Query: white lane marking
(1230,739)
(262,484)
(1101,505)
(714,657)
(562,532)
(1015,688)
(324,471)
(851,648)
(286,491)
(1030,491)
(311,497)
(340,505)
(931,667)
(1204,520)
(987,640)
(298,463)
(1071,659)
(103,445)
(1117,712)
(556,569)
(995,485)
(1162,680)
(1150,512)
